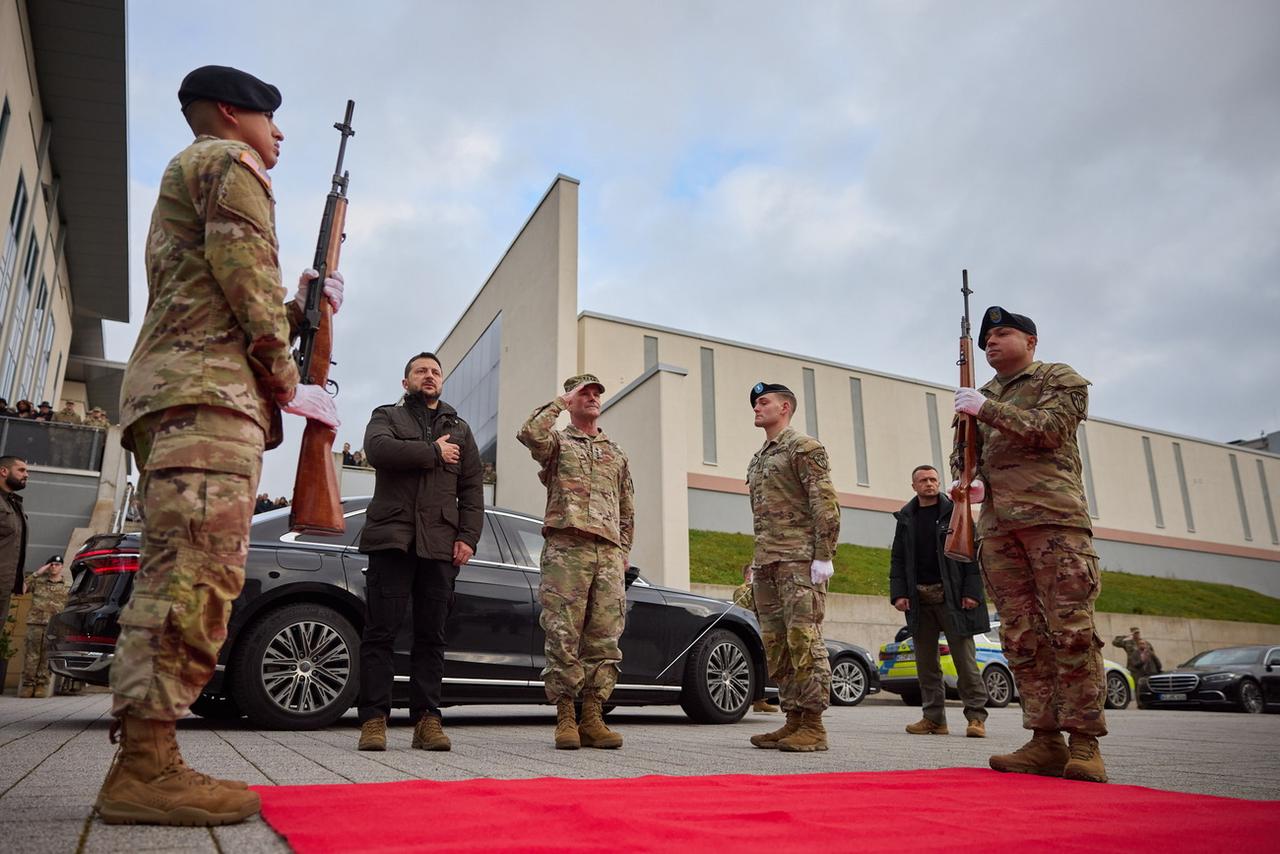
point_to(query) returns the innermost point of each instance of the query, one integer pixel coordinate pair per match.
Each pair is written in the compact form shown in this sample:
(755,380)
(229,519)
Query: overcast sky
(809,177)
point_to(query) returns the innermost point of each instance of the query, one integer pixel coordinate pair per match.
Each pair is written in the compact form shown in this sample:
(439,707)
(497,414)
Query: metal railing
(48,443)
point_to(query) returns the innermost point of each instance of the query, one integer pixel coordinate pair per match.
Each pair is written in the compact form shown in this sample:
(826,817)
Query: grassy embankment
(716,558)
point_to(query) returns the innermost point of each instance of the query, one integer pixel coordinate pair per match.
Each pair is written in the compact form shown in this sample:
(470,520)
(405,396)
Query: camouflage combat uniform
(67,415)
(797,521)
(47,600)
(199,404)
(1036,545)
(97,418)
(1138,666)
(588,528)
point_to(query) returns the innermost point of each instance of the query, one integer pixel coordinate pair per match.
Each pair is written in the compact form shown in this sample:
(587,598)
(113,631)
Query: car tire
(213,708)
(1250,697)
(719,679)
(849,679)
(1118,693)
(999,685)
(308,696)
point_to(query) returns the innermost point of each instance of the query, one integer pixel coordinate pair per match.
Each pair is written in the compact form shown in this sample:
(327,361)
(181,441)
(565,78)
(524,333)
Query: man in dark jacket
(938,595)
(422,525)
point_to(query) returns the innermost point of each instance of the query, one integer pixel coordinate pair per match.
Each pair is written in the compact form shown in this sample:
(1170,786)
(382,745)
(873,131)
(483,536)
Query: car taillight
(109,560)
(91,639)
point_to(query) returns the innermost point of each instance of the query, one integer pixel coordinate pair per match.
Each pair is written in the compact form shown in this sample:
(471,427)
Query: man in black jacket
(422,525)
(938,595)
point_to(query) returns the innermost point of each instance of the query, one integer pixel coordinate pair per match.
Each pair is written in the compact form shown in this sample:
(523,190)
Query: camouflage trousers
(1044,581)
(791,607)
(584,607)
(200,467)
(35,665)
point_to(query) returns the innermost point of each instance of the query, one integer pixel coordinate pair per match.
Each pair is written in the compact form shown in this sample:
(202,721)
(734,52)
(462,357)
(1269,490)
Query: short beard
(423,397)
(14,484)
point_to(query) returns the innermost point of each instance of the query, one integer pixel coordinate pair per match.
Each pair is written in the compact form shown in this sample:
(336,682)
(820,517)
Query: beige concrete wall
(535,288)
(870,621)
(643,420)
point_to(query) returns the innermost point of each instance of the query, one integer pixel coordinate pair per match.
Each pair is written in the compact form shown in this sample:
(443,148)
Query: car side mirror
(633,572)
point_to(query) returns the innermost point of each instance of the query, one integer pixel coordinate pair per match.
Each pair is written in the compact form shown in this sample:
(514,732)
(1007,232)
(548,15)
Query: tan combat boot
(924,726)
(428,734)
(810,737)
(1045,754)
(1086,760)
(769,740)
(148,783)
(975,729)
(566,725)
(373,734)
(592,730)
(26,691)
(764,707)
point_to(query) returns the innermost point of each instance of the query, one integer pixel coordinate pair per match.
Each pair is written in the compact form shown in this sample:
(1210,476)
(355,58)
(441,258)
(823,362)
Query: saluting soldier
(797,524)
(201,399)
(588,527)
(1036,547)
(48,591)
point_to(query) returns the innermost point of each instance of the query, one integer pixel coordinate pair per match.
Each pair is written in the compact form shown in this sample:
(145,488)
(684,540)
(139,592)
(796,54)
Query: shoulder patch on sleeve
(247,159)
(1064,376)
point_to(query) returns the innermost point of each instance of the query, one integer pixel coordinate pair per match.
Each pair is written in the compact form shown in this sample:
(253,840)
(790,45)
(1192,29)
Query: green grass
(717,558)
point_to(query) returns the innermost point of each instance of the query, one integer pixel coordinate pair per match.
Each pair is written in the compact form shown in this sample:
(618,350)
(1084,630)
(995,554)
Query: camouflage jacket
(588,478)
(1133,656)
(793,504)
(216,331)
(1028,455)
(67,416)
(48,597)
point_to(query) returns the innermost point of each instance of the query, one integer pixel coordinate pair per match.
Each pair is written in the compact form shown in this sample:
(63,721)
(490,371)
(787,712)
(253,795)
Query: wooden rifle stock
(317,502)
(959,545)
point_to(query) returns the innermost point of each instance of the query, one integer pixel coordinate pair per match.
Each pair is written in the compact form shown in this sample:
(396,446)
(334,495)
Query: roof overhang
(102,380)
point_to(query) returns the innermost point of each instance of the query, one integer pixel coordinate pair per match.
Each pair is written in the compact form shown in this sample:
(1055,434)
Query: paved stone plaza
(54,752)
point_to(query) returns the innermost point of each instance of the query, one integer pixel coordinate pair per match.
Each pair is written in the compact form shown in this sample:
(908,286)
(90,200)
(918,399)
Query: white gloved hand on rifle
(821,570)
(311,401)
(969,401)
(333,288)
(977,492)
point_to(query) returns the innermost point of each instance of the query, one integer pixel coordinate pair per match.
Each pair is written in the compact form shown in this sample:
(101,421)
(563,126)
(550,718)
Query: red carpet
(952,810)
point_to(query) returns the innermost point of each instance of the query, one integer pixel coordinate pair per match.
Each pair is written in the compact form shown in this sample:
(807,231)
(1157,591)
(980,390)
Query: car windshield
(1225,657)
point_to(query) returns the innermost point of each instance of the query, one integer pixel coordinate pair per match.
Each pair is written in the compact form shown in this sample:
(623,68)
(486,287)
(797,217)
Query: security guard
(588,526)
(201,399)
(1036,547)
(797,524)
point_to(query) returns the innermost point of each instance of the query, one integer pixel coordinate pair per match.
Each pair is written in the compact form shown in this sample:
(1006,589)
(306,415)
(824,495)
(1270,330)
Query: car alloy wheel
(719,679)
(848,683)
(305,667)
(999,686)
(728,676)
(1117,691)
(1250,697)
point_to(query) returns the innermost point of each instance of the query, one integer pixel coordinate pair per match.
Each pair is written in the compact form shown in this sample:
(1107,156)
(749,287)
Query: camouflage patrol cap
(230,86)
(765,388)
(997,316)
(580,379)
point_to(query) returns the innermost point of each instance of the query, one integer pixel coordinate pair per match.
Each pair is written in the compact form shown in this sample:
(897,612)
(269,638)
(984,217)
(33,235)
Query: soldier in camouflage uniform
(588,528)
(97,417)
(1036,547)
(67,414)
(48,591)
(797,524)
(201,399)
(1140,656)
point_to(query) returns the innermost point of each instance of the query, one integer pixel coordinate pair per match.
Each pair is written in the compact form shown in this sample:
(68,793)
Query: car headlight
(1218,678)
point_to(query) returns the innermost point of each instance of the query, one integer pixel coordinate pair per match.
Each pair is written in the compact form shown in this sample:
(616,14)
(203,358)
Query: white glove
(977,492)
(969,401)
(821,570)
(333,286)
(748,574)
(311,401)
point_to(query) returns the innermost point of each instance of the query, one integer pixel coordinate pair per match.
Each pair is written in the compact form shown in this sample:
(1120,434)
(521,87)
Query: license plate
(906,656)
(1173,696)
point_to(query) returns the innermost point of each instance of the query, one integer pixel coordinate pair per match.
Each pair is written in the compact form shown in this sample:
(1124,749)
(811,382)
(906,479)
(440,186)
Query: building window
(810,402)
(4,125)
(9,259)
(708,405)
(650,352)
(1091,498)
(1244,511)
(1151,479)
(472,389)
(859,432)
(1182,485)
(26,284)
(33,343)
(46,354)
(935,435)
(1266,502)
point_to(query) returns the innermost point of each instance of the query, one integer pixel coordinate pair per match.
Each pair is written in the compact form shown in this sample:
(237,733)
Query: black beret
(765,388)
(230,86)
(997,316)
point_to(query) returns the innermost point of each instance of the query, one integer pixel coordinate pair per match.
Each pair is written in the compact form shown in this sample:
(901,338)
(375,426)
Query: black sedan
(1245,678)
(292,651)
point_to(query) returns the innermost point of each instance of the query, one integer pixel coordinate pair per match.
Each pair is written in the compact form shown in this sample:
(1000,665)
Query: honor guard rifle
(959,545)
(317,504)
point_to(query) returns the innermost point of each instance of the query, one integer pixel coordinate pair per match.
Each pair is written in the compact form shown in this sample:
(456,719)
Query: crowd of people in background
(354,459)
(265,502)
(68,414)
